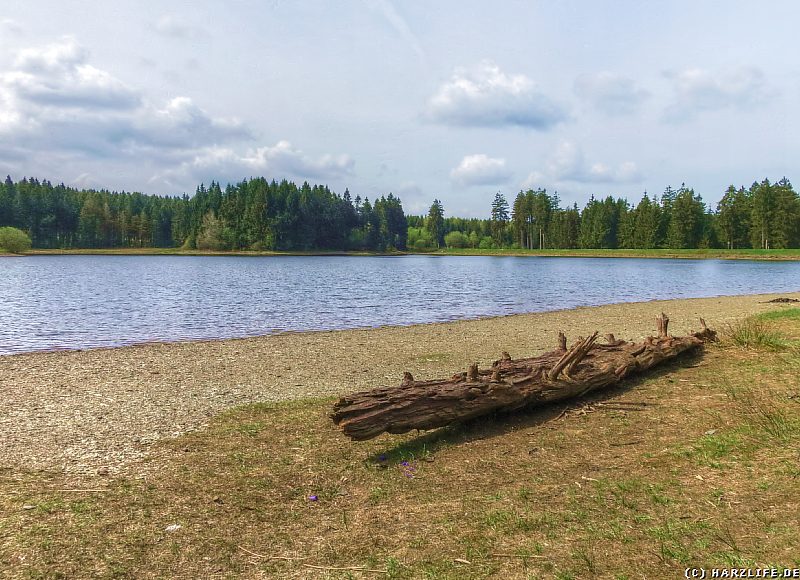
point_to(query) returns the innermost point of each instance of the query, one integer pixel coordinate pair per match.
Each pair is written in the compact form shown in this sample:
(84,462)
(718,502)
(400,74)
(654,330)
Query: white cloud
(72,115)
(284,158)
(78,87)
(182,123)
(54,99)
(485,96)
(610,93)
(480,169)
(280,160)
(697,90)
(57,56)
(58,76)
(568,164)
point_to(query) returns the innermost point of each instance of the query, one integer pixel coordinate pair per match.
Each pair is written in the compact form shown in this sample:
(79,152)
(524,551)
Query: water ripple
(76,302)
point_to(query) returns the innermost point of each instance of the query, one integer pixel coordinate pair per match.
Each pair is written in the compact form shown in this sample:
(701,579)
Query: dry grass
(697,464)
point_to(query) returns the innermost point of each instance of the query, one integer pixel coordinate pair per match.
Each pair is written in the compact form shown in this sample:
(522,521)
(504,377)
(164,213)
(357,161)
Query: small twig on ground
(514,556)
(349,568)
(81,490)
(287,558)
(561,414)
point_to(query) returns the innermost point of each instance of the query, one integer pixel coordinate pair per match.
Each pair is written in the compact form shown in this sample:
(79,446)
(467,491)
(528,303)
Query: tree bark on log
(510,384)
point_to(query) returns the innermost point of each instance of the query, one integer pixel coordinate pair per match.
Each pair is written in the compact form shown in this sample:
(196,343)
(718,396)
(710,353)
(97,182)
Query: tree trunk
(509,385)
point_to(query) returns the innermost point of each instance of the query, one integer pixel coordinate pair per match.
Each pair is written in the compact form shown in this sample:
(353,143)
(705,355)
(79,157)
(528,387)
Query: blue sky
(455,100)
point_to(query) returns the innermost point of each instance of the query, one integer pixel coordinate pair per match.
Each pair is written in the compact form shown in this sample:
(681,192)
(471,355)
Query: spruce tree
(499,218)
(435,222)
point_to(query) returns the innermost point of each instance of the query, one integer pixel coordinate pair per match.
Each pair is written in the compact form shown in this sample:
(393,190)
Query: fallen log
(510,384)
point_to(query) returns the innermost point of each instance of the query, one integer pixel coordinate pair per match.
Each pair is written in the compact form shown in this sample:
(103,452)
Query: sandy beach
(99,411)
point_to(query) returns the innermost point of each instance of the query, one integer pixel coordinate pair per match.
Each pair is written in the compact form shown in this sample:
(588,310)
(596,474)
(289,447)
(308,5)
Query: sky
(454,100)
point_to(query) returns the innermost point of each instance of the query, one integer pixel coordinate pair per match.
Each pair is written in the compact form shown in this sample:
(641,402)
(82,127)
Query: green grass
(183,252)
(744,254)
(767,330)
(754,332)
(790,314)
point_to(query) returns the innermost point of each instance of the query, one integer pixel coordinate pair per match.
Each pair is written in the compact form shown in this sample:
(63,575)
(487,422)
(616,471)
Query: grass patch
(755,332)
(716,254)
(790,314)
(705,473)
(770,413)
(717,450)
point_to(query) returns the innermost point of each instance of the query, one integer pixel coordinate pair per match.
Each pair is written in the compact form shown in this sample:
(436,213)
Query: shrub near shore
(14,241)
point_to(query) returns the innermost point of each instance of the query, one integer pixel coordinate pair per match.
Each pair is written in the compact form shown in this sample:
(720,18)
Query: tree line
(257,214)
(253,214)
(765,216)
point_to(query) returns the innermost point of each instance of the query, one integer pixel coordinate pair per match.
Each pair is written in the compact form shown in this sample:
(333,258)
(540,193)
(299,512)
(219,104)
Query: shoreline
(86,411)
(382,327)
(673,254)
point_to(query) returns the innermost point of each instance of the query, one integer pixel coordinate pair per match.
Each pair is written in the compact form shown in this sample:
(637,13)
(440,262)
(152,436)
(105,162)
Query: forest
(257,214)
(253,214)
(765,216)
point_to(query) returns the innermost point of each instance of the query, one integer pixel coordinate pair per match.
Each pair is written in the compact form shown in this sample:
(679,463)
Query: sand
(100,411)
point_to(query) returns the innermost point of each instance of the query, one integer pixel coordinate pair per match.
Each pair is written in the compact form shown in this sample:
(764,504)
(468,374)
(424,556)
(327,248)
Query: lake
(76,302)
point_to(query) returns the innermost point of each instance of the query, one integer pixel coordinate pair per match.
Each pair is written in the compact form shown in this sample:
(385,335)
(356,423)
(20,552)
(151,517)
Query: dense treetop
(765,216)
(257,214)
(252,214)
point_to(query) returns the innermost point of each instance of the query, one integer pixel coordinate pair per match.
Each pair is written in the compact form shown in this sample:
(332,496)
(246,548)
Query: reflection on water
(72,302)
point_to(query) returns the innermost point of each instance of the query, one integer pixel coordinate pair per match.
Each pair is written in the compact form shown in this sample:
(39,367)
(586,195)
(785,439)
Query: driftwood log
(564,373)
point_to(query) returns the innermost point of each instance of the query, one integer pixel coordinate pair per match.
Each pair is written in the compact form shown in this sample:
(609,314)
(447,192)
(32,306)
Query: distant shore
(692,254)
(82,410)
(180,252)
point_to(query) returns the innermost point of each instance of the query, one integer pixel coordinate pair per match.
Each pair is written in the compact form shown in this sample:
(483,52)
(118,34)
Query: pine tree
(733,217)
(435,222)
(762,214)
(785,231)
(686,223)
(519,219)
(499,218)
(541,210)
(646,224)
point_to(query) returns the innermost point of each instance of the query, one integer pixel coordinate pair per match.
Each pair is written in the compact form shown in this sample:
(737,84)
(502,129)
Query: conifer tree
(499,218)
(435,222)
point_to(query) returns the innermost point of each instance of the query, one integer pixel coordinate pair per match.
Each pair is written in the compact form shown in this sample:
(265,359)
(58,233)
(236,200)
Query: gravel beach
(100,411)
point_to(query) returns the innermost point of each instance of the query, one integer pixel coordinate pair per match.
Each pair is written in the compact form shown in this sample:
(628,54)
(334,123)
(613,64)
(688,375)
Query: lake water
(74,302)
